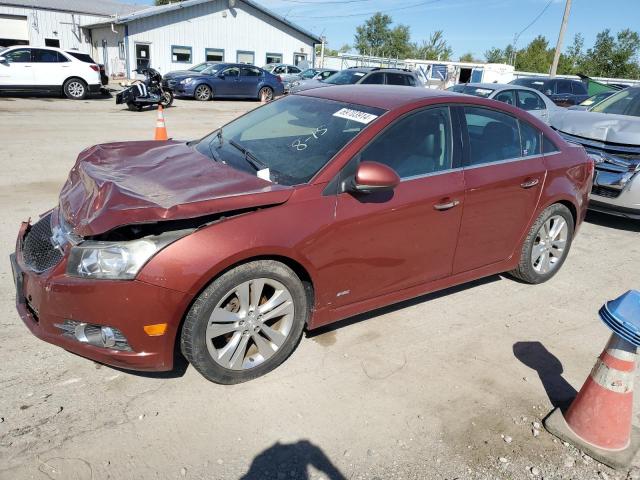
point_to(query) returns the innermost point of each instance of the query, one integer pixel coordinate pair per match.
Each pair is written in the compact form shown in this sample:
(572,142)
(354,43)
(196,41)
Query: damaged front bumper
(102,320)
(616,182)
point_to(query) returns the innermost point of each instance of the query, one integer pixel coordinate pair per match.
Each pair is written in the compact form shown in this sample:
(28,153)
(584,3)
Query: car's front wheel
(75,89)
(265,94)
(202,93)
(546,247)
(246,323)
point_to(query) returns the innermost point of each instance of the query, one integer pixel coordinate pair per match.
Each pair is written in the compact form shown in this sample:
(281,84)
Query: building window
(180,54)
(243,56)
(52,42)
(121,51)
(274,58)
(214,55)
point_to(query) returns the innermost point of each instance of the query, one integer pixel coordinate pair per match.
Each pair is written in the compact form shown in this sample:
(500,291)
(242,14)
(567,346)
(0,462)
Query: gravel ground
(450,385)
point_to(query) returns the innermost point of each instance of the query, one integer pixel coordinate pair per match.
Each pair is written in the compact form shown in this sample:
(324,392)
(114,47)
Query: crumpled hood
(604,127)
(124,183)
(180,73)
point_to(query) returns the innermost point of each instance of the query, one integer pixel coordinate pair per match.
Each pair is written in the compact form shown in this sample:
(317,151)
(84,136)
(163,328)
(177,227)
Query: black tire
(192,340)
(203,93)
(525,270)
(134,107)
(167,99)
(267,92)
(75,89)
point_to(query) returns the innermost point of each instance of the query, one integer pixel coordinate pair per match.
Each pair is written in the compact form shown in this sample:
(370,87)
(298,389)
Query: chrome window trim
(431,174)
(508,160)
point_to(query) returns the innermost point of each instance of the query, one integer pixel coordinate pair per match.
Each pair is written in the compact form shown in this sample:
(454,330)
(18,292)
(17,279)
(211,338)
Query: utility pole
(322,52)
(563,27)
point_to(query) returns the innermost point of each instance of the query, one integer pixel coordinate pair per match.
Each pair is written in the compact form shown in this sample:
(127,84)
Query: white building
(179,35)
(54,23)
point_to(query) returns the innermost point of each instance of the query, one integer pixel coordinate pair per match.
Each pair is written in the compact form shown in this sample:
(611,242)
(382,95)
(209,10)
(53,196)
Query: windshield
(200,67)
(3,49)
(293,137)
(626,102)
(471,90)
(345,77)
(309,73)
(536,83)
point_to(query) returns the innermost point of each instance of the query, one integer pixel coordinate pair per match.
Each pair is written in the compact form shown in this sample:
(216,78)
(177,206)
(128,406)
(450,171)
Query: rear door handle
(530,183)
(447,205)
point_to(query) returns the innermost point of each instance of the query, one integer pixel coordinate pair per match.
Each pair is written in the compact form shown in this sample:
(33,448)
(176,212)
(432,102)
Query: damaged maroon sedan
(308,210)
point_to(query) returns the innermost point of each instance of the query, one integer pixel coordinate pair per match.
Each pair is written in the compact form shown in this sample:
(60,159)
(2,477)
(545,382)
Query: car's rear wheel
(202,93)
(246,323)
(265,94)
(546,247)
(75,89)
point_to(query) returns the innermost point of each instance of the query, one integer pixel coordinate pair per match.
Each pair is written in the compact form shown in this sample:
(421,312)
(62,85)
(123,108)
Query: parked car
(286,72)
(308,210)
(83,57)
(224,80)
(364,76)
(47,70)
(610,132)
(562,91)
(525,98)
(309,75)
(593,100)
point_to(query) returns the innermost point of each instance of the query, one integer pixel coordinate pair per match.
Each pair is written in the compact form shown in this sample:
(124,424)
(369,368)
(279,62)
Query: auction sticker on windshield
(355,115)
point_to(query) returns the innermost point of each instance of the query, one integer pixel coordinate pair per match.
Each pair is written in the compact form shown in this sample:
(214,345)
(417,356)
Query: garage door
(13,30)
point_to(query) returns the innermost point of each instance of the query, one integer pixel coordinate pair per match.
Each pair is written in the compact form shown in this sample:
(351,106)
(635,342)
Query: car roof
(379,69)
(387,97)
(501,86)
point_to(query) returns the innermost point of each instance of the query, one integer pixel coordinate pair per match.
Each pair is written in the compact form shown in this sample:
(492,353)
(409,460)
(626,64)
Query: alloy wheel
(266,94)
(75,89)
(550,244)
(250,324)
(202,92)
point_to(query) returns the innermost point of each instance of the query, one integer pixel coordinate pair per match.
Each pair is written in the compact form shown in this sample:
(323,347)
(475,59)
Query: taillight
(95,68)
(279,78)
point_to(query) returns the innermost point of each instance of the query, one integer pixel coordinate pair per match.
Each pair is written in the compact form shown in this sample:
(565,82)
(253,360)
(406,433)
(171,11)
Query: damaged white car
(610,132)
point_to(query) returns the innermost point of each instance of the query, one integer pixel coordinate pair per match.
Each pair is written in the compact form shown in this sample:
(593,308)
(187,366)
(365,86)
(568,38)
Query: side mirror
(221,76)
(374,176)
(3,60)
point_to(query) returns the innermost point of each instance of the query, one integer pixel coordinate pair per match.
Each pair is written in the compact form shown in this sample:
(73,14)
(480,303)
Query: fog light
(96,335)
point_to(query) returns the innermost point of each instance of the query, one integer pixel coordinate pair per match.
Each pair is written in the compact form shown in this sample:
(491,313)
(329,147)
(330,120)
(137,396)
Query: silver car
(522,97)
(610,132)
(288,73)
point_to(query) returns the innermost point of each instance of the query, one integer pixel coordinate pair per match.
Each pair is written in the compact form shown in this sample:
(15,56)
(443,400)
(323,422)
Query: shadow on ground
(611,221)
(291,460)
(536,356)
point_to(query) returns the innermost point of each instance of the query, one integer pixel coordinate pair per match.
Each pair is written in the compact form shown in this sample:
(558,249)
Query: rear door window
(530,139)
(83,57)
(493,136)
(578,88)
(564,86)
(250,72)
(40,55)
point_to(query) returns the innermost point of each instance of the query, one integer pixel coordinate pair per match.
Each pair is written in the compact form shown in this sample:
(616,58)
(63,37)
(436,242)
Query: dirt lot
(447,386)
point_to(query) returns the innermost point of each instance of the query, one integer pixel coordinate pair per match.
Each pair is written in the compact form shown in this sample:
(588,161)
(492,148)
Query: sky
(469,25)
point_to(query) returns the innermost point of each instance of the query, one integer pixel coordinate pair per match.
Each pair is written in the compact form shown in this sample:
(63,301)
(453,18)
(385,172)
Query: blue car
(223,80)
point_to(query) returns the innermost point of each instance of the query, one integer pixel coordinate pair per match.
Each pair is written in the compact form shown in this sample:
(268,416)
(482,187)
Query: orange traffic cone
(599,419)
(161,129)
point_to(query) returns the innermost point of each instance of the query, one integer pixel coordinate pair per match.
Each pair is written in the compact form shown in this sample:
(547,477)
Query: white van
(48,70)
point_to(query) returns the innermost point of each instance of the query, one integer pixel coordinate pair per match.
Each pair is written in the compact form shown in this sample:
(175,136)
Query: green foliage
(609,57)
(467,57)
(436,48)
(377,37)
(166,2)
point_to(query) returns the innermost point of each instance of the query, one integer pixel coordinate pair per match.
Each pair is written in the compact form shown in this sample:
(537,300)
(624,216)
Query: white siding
(63,26)
(214,25)
(106,50)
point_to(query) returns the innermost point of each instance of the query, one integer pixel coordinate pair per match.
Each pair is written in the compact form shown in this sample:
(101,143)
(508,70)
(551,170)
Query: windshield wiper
(249,157)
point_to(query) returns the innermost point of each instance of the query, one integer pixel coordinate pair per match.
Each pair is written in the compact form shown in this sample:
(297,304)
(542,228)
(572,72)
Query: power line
(363,14)
(535,19)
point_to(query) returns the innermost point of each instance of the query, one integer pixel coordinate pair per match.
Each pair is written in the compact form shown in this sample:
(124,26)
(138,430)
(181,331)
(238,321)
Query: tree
(613,57)
(371,37)
(570,61)
(398,44)
(330,52)
(436,48)
(535,57)
(467,57)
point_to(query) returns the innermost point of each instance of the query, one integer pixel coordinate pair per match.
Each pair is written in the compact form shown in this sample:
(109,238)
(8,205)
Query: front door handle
(530,183)
(446,205)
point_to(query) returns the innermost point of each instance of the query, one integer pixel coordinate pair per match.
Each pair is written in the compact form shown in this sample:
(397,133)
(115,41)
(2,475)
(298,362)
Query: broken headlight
(115,260)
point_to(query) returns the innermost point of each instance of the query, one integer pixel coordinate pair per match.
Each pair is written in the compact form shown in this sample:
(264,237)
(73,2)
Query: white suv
(46,69)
